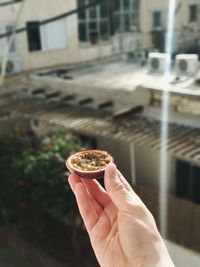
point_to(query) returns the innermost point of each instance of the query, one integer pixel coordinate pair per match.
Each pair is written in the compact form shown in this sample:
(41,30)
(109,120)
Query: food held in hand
(89,163)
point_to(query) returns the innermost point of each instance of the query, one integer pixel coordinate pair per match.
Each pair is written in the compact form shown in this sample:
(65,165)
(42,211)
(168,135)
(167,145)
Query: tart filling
(91,161)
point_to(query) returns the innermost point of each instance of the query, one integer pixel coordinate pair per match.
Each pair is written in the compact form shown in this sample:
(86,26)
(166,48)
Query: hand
(122,231)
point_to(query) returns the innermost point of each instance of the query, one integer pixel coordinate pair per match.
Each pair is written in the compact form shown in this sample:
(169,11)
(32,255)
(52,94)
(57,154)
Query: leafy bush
(33,175)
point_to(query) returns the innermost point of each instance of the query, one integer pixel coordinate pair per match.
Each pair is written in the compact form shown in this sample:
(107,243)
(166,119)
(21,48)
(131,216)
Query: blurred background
(119,75)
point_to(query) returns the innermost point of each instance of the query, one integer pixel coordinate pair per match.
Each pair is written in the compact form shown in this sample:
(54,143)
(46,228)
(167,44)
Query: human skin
(122,231)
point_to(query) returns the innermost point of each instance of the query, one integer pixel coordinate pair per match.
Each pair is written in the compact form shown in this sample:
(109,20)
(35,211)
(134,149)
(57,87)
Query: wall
(121,99)
(120,152)
(147,162)
(182,218)
(181,20)
(38,10)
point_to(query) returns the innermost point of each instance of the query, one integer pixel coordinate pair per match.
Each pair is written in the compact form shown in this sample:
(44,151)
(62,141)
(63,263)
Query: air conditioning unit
(13,65)
(187,64)
(157,61)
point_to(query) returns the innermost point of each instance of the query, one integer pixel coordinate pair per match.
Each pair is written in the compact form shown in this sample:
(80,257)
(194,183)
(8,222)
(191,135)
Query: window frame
(154,24)
(31,50)
(98,20)
(191,179)
(128,19)
(192,17)
(130,13)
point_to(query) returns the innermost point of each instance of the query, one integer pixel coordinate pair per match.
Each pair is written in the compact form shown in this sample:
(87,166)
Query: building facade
(77,38)
(110,28)
(186,28)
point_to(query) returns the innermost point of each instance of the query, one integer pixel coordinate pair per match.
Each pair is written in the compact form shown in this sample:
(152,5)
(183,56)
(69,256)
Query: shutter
(53,35)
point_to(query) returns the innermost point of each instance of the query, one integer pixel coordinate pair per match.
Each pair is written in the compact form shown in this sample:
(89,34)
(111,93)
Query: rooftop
(183,141)
(125,75)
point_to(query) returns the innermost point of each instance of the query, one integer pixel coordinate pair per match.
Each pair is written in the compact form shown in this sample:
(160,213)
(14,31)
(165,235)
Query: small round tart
(89,164)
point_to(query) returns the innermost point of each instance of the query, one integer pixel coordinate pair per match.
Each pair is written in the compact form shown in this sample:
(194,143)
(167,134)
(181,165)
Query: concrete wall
(36,10)
(181,20)
(147,167)
(77,52)
(121,98)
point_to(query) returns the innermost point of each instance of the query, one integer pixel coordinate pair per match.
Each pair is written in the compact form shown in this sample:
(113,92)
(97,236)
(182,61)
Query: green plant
(33,176)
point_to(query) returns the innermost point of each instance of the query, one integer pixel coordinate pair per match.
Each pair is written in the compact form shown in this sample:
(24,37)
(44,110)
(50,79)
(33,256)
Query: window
(93,22)
(157,19)
(9,28)
(126,15)
(46,37)
(187,184)
(97,23)
(182,178)
(33,35)
(3,41)
(193,13)
(196,184)
(53,35)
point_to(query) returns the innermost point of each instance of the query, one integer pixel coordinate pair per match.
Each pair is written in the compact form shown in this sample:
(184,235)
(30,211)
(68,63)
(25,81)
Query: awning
(183,142)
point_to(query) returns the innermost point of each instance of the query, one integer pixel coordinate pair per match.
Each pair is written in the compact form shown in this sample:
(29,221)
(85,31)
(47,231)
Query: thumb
(115,188)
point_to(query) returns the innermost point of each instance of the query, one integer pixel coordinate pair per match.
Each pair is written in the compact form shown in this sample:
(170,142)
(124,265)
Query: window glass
(182,178)
(127,22)
(193,12)
(81,14)
(117,22)
(33,35)
(196,184)
(127,4)
(93,26)
(96,22)
(93,13)
(123,18)
(117,5)
(104,30)
(104,9)
(9,28)
(128,19)
(82,32)
(157,19)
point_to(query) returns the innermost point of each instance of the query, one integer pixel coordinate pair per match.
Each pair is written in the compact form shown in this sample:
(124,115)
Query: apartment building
(79,37)
(186,28)
(40,46)
(103,30)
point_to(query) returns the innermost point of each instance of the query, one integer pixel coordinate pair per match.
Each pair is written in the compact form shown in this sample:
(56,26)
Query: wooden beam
(85,101)
(127,111)
(38,91)
(53,94)
(68,98)
(105,104)
(67,77)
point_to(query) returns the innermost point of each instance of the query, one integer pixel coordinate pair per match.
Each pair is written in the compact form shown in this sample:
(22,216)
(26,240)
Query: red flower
(21,183)
(50,145)
(23,204)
